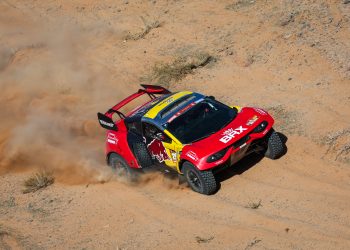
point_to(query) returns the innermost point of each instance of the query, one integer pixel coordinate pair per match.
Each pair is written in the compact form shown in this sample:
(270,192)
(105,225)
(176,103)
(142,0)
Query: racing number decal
(173,150)
(173,155)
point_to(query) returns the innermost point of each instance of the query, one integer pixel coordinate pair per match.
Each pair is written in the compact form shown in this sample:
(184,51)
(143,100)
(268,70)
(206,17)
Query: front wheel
(275,146)
(202,182)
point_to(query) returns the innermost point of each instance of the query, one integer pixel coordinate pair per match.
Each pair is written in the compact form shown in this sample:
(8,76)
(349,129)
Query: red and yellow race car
(190,133)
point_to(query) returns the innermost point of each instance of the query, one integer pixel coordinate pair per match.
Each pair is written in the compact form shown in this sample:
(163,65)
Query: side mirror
(235,109)
(211,97)
(106,122)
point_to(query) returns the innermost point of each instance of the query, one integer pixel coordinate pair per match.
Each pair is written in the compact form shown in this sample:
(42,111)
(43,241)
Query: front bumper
(251,143)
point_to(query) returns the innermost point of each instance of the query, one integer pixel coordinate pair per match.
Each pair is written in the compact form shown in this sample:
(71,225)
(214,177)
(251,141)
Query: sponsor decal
(111,138)
(199,100)
(173,155)
(111,141)
(192,155)
(219,162)
(170,100)
(158,151)
(138,110)
(252,120)
(264,133)
(260,111)
(230,133)
(167,101)
(107,123)
(182,111)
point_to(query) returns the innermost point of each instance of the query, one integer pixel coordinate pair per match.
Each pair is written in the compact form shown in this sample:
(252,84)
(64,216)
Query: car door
(161,147)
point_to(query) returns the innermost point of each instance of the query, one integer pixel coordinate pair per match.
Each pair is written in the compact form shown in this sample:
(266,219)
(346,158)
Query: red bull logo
(158,151)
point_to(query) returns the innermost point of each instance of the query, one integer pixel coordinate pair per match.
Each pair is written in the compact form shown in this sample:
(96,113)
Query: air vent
(241,141)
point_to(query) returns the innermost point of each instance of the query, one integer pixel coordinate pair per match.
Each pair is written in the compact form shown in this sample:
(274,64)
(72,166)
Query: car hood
(244,123)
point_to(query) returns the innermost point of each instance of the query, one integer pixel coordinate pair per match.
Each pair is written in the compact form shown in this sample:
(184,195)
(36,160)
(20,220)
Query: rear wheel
(275,146)
(120,166)
(200,181)
(142,155)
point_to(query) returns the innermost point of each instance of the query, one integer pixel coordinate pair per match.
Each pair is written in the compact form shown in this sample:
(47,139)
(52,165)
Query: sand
(61,62)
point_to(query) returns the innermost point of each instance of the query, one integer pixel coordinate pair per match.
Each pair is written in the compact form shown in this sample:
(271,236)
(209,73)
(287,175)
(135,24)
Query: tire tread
(142,155)
(275,146)
(209,182)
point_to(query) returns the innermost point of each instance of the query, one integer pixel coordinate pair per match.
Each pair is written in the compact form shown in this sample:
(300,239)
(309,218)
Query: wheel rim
(194,180)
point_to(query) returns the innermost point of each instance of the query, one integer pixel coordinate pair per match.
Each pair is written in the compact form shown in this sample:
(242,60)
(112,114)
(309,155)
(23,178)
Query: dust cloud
(50,94)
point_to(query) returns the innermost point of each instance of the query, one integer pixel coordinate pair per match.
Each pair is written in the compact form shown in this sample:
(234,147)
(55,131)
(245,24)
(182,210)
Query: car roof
(164,110)
(141,110)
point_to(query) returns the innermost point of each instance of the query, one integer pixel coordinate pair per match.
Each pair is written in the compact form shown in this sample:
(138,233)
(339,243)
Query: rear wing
(154,89)
(151,90)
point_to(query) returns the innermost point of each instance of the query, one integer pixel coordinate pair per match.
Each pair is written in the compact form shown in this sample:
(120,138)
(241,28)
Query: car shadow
(245,164)
(239,167)
(236,169)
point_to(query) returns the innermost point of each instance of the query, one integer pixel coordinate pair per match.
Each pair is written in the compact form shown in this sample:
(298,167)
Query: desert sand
(61,62)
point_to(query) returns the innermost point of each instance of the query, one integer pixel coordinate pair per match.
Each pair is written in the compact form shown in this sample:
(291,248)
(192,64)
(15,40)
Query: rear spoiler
(150,90)
(154,89)
(106,122)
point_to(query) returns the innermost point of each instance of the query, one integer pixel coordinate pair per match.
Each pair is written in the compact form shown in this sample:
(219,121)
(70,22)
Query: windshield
(202,120)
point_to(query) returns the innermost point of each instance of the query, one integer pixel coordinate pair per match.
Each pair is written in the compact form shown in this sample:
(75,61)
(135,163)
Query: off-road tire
(120,166)
(275,146)
(202,182)
(142,155)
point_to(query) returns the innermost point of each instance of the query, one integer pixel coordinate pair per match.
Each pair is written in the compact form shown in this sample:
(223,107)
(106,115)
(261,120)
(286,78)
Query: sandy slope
(61,62)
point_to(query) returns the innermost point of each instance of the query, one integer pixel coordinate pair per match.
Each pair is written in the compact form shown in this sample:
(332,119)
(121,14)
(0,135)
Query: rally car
(190,133)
